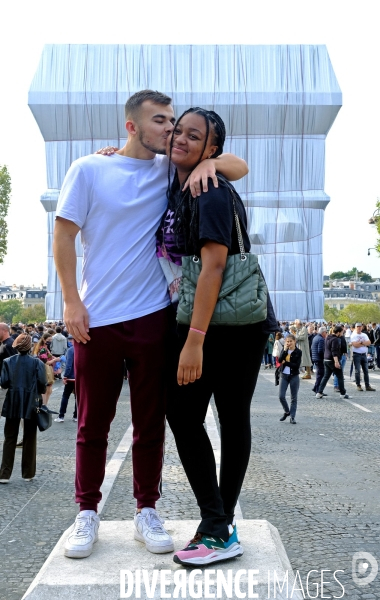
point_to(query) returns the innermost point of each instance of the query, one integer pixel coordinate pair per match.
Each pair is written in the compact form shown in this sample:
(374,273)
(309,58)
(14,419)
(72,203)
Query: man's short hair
(58,329)
(322,330)
(40,328)
(337,329)
(133,104)
(31,325)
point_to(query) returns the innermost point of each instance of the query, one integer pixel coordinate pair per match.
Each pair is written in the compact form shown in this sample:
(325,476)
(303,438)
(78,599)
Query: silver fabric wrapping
(278,103)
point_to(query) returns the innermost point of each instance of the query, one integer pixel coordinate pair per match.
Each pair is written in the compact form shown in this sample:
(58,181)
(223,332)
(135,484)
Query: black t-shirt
(217,221)
(6,350)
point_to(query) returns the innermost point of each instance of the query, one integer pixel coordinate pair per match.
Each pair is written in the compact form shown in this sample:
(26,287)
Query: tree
(33,314)
(331,314)
(5,194)
(361,313)
(376,222)
(9,310)
(352,273)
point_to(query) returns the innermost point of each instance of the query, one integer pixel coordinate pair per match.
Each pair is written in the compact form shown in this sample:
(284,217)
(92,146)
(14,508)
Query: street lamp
(369,251)
(375,217)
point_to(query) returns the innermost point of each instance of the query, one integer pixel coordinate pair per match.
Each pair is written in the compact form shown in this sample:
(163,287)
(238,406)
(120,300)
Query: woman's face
(290,343)
(188,142)
(48,341)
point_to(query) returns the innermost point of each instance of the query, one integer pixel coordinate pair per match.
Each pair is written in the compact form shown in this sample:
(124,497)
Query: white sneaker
(4,480)
(149,529)
(83,535)
(75,420)
(318,395)
(59,420)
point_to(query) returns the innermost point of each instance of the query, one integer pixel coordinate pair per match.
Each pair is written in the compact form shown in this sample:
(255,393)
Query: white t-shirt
(286,369)
(118,203)
(360,337)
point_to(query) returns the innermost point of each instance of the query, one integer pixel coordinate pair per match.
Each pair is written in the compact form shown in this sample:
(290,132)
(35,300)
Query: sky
(349,30)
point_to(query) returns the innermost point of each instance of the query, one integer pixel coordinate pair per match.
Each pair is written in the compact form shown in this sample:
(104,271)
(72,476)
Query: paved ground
(318,482)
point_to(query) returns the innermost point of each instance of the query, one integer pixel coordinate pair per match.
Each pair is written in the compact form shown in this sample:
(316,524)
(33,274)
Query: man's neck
(132,150)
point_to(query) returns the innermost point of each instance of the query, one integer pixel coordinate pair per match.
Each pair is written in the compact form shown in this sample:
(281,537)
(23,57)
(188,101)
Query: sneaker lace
(83,526)
(196,539)
(154,522)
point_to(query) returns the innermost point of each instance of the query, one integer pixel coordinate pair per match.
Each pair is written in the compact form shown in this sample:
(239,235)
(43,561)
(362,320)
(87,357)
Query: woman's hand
(190,362)
(107,151)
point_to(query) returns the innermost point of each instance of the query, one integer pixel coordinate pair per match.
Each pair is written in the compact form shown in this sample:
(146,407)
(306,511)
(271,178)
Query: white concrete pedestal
(99,576)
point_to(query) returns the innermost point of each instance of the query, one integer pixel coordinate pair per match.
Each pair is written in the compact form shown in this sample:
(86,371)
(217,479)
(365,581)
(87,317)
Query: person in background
(342,360)
(317,356)
(332,356)
(42,352)
(303,344)
(376,330)
(360,342)
(58,343)
(290,362)
(69,382)
(24,378)
(6,350)
(278,347)
(268,352)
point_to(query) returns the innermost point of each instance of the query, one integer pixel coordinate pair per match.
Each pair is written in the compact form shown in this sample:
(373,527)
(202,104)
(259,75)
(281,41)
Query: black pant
(68,390)
(330,368)
(29,448)
(231,363)
(320,370)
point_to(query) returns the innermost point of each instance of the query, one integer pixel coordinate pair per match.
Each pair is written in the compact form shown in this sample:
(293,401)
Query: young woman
(219,360)
(41,350)
(290,361)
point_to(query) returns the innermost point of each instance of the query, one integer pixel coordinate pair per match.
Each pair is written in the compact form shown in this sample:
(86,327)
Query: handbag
(49,374)
(44,416)
(242,298)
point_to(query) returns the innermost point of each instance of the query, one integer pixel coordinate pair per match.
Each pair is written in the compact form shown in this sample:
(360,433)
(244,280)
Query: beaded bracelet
(197,331)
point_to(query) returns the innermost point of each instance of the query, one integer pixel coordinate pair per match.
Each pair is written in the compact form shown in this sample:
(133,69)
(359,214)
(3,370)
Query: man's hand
(64,379)
(337,364)
(190,363)
(77,322)
(201,173)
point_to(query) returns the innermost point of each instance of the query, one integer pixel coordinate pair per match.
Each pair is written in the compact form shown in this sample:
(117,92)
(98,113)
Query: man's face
(29,329)
(153,124)
(3,333)
(359,329)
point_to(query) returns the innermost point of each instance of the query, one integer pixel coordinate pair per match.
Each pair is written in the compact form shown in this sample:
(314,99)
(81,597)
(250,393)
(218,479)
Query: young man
(360,342)
(122,312)
(332,357)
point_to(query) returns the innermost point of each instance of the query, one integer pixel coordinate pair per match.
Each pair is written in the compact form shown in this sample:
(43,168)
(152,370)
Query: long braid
(185,207)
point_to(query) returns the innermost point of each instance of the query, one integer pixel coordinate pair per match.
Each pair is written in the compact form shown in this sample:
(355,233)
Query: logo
(364,568)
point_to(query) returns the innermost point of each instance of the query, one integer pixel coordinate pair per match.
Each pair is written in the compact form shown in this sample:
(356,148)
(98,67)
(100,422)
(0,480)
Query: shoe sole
(80,553)
(234,552)
(153,549)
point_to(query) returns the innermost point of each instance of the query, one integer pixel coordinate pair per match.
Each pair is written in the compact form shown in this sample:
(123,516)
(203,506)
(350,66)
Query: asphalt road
(318,482)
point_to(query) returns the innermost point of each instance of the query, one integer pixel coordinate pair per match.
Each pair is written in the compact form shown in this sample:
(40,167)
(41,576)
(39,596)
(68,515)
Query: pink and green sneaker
(205,549)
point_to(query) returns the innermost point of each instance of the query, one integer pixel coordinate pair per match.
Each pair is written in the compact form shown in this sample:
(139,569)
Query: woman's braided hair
(184,206)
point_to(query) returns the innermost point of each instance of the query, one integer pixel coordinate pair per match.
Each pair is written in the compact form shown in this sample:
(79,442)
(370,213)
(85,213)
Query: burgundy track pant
(99,374)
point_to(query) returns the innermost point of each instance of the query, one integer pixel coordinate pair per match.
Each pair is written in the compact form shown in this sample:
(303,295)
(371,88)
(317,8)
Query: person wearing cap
(360,342)
(24,378)
(69,382)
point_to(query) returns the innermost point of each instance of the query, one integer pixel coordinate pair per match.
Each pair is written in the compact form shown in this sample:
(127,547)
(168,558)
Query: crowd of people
(323,350)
